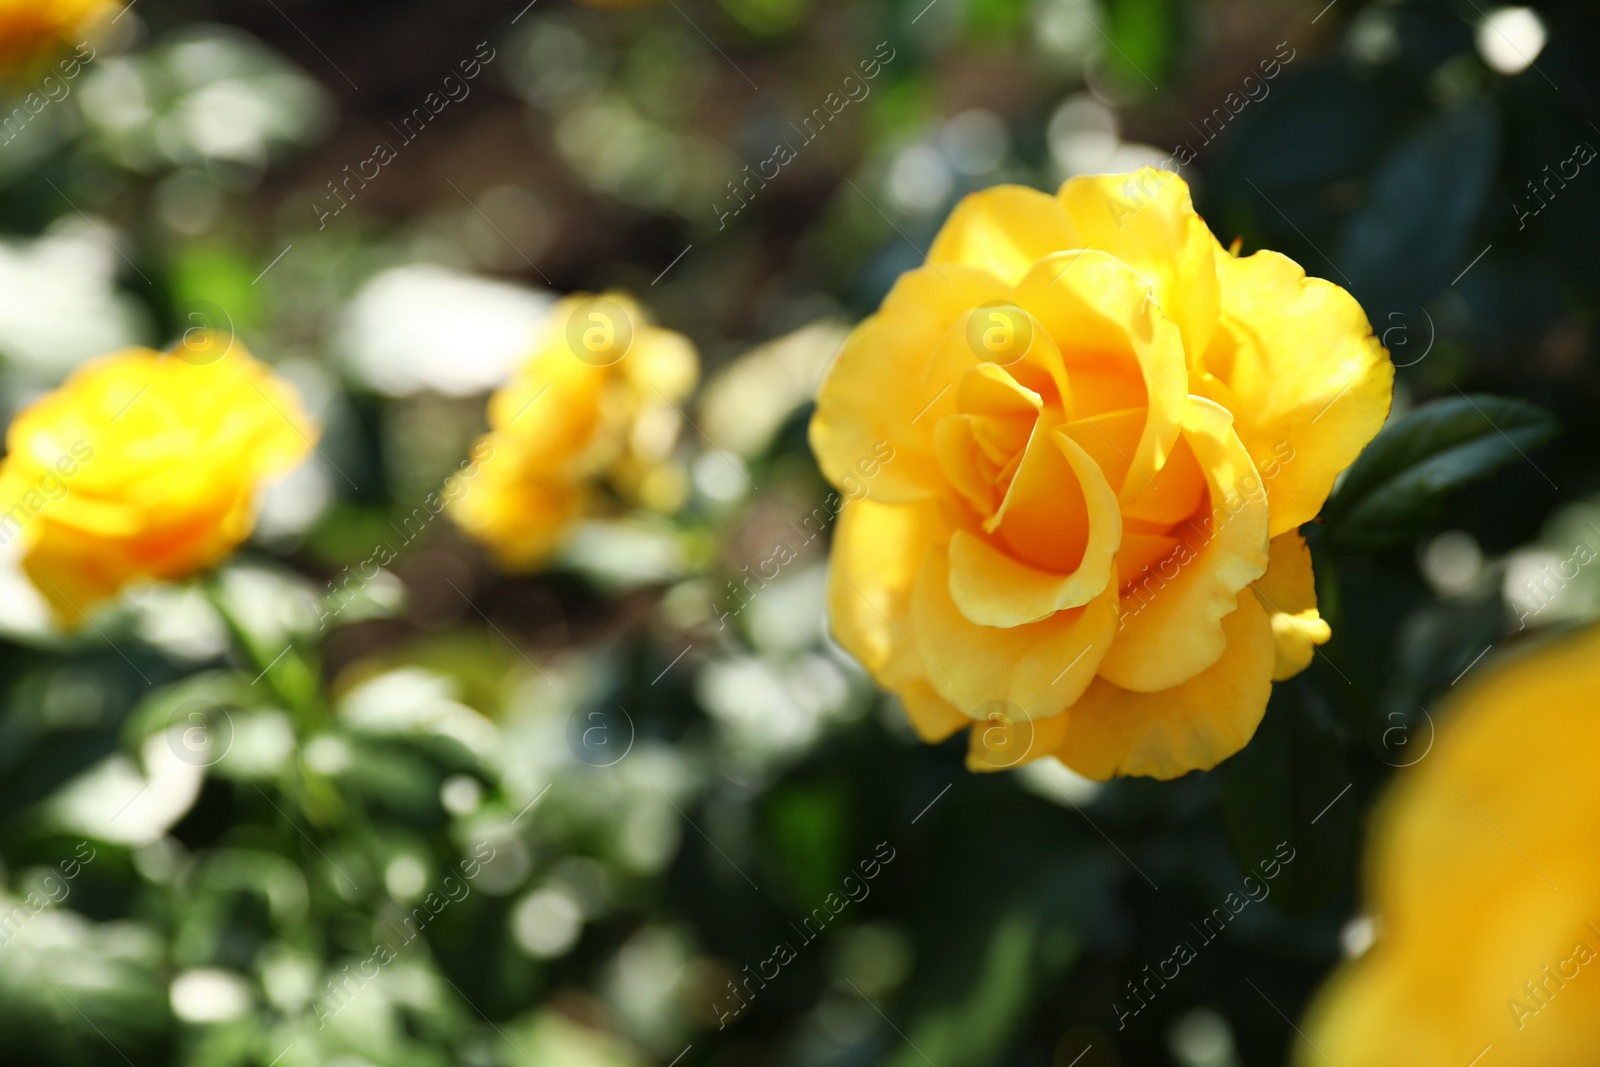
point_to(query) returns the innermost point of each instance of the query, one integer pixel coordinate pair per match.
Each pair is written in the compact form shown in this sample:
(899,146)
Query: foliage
(594,795)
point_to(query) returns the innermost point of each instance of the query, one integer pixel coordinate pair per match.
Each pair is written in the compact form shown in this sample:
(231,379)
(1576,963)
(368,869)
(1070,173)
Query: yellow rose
(145,465)
(1482,878)
(1104,428)
(32,30)
(597,402)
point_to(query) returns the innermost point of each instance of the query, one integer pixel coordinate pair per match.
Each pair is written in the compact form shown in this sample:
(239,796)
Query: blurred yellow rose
(1105,428)
(594,408)
(32,31)
(1484,887)
(144,465)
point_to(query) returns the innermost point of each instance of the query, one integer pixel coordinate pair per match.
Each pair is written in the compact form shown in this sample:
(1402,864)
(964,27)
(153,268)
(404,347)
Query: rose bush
(594,407)
(1108,430)
(145,465)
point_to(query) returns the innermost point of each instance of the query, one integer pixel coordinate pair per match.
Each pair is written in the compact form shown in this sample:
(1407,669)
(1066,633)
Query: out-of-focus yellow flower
(1105,427)
(595,406)
(145,465)
(32,31)
(1483,881)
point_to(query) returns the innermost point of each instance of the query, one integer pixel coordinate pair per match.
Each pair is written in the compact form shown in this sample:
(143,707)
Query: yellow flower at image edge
(145,465)
(1482,880)
(31,31)
(595,407)
(1106,432)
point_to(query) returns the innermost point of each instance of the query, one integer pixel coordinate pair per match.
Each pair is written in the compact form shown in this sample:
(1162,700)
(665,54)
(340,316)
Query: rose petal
(1004,230)
(1192,726)
(932,717)
(1308,383)
(1147,220)
(1139,552)
(964,465)
(873,392)
(1111,437)
(1110,331)
(994,588)
(1040,668)
(1289,593)
(1171,627)
(515,509)
(998,742)
(1173,495)
(1491,832)
(877,549)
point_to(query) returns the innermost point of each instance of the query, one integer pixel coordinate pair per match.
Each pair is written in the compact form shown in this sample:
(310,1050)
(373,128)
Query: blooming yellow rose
(595,406)
(144,465)
(1483,883)
(32,30)
(1106,430)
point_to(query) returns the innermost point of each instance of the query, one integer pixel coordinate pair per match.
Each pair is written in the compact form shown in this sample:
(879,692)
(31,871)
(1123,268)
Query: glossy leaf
(1400,482)
(1286,805)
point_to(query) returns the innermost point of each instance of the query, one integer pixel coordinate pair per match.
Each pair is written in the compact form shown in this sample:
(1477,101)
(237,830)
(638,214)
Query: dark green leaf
(1399,483)
(1411,235)
(1315,126)
(1284,802)
(807,826)
(974,987)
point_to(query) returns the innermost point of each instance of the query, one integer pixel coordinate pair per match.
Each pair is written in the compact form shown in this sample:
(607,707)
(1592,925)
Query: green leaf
(767,18)
(1411,236)
(977,1028)
(976,984)
(1398,485)
(70,987)
(1285,803)
(807,825)
(996,20)
(1142,39)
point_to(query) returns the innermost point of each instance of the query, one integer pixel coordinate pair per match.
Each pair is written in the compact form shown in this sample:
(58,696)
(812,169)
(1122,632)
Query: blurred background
(580,809)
